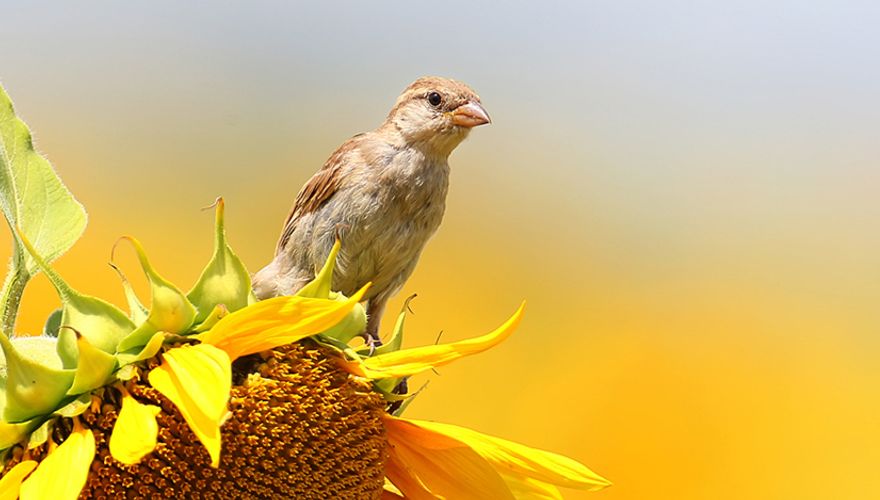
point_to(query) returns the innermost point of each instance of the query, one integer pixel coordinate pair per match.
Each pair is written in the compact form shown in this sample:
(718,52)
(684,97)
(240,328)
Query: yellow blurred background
(685,193)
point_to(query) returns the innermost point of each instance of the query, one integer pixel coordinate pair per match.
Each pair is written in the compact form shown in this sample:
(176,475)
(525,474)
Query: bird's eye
(434,98)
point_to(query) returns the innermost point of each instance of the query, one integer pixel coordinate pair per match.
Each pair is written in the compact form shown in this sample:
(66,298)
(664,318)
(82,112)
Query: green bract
(90,342)
(319,288)
(87,343)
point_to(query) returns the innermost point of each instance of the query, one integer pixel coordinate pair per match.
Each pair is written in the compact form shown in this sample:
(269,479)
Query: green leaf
(224,281)
(32,198)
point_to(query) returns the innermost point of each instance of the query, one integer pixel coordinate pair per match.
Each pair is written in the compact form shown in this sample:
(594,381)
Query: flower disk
(299,428)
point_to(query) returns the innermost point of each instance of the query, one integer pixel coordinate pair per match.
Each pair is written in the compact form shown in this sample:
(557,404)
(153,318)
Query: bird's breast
(386,215)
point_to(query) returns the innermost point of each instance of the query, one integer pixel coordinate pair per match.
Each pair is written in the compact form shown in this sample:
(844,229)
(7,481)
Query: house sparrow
(385,191)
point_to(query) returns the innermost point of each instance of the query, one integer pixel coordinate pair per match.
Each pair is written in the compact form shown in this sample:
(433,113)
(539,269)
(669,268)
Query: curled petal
(63,473)
(276,322)
(522,467)
(407,362)
(442,466)
(134,434)
(197,379)
(10,483)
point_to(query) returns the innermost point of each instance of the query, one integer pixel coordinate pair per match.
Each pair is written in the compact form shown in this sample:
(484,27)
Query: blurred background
(686,193)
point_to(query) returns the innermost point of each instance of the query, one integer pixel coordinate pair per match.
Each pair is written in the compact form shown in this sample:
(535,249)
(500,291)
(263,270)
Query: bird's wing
(317,190)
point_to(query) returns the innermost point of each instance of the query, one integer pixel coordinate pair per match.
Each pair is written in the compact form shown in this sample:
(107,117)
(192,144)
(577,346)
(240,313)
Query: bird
(383,193)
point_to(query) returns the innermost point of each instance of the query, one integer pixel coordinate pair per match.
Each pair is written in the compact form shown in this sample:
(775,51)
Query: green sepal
(386,385)
(138,338)
(12,434)
(41,434)
(93,369)
(99,321)
(39,349)
(53,322)
(216,315)
(170,310)
(32,388)
(352,325)
(139,354)
(76,407)
(136,310)
(390,397)
(321,288)
(127,372)
(387,395)
(66,348)
(409,399)
(406,402)
(224,280)
(336,346)
(396,341)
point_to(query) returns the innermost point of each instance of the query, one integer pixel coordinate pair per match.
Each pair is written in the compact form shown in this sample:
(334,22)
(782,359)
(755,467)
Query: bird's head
(436,114)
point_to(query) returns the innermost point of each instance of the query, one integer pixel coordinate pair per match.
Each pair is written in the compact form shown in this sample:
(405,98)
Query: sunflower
(212,394)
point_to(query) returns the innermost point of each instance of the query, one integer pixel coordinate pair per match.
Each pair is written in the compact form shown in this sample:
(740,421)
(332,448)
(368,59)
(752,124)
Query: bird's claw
(372,341)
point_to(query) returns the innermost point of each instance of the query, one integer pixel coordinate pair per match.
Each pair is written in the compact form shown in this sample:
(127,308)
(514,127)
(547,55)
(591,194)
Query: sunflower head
(211,393)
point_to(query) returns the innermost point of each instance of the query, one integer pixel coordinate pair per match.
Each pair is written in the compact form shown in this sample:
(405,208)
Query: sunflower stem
(10,299)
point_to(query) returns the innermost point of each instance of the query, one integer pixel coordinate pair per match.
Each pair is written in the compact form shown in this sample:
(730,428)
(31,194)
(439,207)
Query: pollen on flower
(299,428)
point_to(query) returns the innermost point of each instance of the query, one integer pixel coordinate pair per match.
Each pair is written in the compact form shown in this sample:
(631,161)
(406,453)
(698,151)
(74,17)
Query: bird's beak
(470,114)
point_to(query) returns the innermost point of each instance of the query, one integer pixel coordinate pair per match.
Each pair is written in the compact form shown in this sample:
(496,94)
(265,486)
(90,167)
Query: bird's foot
(371,340)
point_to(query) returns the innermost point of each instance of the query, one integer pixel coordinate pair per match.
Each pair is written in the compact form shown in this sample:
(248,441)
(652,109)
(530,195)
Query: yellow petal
(408,362)
(10,483)
(404,479)
(135,431)
(197,379)
(516,460)
(526,487)
(276,322)
(389,492)
(63,473)
(425,461)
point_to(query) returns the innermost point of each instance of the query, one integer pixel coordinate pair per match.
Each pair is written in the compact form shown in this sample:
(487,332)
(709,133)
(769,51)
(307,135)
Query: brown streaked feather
(317,190)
